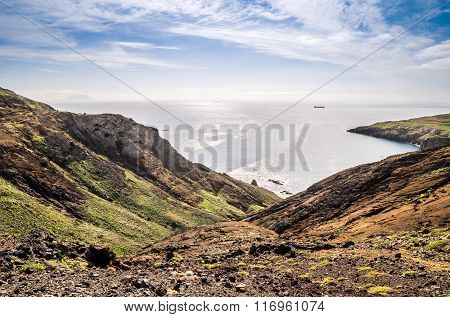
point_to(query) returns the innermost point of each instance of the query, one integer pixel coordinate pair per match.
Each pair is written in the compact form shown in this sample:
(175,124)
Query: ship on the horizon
(319,107)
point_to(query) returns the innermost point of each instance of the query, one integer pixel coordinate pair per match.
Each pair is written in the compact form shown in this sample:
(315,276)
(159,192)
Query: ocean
(287,155)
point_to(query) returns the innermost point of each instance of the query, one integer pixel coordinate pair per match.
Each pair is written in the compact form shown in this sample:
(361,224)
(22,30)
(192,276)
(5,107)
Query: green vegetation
(21,213)
(440,122)
(115,218)
(372,274)
(150,203)
(252,209)
(379,290)
(257,267)
(439,245)
(69,264)
(177,258)
(209,265)
(85,172)
(37,138)
(304,276)
(325,281)
(321,264)
(409,273)
(364,268)
(33,267)
(217,205)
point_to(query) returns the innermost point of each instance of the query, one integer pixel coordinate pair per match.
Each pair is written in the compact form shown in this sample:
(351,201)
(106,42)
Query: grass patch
(322,263)
(372,274)
(37,138)
(379,290)
(257,267)
(325,281)
(409,273)
(105,223)
(304,276)
(33,267)
(217,205)
(440,245)
(145,200)
(209,266)
(74,265)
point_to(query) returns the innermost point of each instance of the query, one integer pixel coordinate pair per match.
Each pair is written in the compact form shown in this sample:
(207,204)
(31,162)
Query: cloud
(47,70)
(436,56)
(111,58)
(331,31)
(140,45)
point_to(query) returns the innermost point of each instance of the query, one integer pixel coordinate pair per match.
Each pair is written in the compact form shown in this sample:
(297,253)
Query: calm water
(218,141)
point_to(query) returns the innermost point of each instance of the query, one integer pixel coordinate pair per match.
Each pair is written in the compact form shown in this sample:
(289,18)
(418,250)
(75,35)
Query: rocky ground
(232,259)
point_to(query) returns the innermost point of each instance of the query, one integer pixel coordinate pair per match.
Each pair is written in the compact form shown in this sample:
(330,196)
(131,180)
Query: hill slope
(402,192)
(105,179)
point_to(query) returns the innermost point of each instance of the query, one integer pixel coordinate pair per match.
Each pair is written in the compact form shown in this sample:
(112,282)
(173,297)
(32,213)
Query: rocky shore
(428,132)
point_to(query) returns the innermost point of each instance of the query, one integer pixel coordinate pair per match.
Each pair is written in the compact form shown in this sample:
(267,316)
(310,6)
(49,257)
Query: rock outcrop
(428,132)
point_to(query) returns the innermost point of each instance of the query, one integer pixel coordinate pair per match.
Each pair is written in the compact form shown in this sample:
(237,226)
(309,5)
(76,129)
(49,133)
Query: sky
(276,50)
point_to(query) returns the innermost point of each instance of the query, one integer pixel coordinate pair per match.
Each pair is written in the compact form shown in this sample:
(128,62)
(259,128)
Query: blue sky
(227,50)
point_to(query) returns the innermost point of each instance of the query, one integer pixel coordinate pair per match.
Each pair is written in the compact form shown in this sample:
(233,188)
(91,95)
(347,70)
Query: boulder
(99,256)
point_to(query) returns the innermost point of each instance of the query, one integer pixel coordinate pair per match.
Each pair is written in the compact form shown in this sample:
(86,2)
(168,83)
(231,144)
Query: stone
(142,283)
(127,279)
(99,256)
(241,287)
(160,291)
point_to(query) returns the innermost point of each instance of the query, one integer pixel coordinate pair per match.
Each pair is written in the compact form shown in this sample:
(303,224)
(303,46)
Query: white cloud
(333,31)
(436,56)
(140,45)
(111,58)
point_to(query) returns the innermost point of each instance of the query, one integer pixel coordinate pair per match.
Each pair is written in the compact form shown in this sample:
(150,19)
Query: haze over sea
(327,147)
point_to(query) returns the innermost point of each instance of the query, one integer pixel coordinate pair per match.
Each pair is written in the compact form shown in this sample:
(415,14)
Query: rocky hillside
(105,179)
(428,132)
(402,192)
